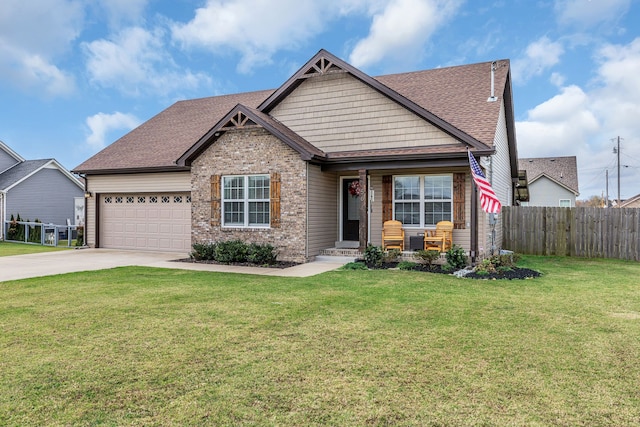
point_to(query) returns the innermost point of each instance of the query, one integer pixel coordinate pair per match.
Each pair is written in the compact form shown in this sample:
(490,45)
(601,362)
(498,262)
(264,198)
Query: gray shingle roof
(457,95)
(21,170)
(563,170)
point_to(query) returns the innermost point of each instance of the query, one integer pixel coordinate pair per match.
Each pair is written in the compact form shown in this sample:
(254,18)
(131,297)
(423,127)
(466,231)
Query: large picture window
(422,200)
(245,201)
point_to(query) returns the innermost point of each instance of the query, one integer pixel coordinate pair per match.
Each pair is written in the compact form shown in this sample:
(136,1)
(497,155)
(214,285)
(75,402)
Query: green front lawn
(144,346)
(10,248)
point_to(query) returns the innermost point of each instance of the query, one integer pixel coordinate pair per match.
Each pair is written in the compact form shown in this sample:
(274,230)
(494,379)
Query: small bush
(505,260)
(456,257)
(231,251)
(80,235)
(392,255)
(373,255)
(203,251)
(261,254)
(355,266)
(485,267)
(407,265)
(429,256)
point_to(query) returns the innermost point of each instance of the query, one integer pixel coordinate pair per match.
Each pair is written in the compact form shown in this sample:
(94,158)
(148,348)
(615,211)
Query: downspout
(3,203)
(306,220)
(86,213)
(369,203)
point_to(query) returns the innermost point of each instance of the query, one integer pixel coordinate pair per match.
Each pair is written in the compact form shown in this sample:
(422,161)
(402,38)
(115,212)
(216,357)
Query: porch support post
(364,209)
(474,224)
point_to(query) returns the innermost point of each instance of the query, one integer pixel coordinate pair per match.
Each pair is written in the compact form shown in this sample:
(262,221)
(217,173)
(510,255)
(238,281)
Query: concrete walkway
(73,260)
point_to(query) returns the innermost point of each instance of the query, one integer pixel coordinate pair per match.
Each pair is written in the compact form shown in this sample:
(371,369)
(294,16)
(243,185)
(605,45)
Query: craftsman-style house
(321,162)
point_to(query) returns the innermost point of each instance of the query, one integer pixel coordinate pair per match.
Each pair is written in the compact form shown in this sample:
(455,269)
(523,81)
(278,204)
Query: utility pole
(606,200)
(617,151)
(618,171)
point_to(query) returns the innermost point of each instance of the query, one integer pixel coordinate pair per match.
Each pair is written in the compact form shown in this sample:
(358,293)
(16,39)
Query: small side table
(416,243)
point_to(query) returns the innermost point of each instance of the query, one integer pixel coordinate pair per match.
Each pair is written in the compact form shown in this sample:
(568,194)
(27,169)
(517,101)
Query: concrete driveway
(73,260)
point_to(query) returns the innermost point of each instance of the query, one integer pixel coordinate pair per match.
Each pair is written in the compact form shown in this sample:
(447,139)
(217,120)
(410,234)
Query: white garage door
(151,222)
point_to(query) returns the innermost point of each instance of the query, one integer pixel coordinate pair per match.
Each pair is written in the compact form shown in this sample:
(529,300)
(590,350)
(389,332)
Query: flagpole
(474,220)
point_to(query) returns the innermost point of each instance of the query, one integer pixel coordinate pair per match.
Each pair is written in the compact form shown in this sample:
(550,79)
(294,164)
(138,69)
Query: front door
(350,212)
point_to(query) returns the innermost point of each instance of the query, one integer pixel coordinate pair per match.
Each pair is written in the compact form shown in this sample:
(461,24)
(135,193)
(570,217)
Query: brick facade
(246,152)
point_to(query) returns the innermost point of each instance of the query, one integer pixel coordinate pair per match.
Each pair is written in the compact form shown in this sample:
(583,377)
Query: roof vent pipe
(494,66)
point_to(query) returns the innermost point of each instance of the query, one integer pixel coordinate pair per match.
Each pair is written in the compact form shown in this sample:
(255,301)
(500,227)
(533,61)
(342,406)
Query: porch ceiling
(429,157)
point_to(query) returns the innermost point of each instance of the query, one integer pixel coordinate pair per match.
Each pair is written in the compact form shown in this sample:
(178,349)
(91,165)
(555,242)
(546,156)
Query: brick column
(364,209)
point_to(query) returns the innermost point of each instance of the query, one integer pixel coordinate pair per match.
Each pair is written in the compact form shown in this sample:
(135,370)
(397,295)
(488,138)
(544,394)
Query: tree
(592,202)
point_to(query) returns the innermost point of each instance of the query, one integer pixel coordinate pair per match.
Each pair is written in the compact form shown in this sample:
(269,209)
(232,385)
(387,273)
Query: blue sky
(75,75)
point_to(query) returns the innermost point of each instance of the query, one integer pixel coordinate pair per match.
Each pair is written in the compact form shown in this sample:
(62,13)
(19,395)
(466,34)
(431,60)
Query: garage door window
(245,201)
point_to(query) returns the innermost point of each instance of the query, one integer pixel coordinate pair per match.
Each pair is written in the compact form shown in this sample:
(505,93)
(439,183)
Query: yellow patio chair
(392,235)
(441,238)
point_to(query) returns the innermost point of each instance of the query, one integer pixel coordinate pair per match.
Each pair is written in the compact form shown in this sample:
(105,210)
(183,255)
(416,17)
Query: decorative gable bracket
(322,66)
(238,120)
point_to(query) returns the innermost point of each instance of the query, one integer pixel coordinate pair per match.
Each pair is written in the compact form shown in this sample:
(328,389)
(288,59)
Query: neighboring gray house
(552,181)
(37,189)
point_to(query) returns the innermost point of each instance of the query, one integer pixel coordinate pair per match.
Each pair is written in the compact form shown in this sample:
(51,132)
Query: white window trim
(564,200)
(422,200)
(245,202)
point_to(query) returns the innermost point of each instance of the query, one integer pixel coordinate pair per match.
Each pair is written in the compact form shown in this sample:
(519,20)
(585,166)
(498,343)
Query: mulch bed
(515,273)
(278,264)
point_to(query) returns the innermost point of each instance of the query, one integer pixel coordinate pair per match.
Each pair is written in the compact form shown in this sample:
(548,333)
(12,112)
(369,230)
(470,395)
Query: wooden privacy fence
(580,232)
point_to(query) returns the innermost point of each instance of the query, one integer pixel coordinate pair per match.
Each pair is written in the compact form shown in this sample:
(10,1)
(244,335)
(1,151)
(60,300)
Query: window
(565,203)
(245,201)
(424,200)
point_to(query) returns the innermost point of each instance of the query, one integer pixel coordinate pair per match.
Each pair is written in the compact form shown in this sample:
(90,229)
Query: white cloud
(583,122)
(136,61)
(539,56)
(102,124)
(121,12)
(398,27)
(585,14)
(255,28)
(401,30)
(558,125)
(27,55)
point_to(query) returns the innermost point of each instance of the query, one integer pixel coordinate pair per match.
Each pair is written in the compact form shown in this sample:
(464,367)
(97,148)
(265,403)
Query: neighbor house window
(565,203)
(422,200)
(245,201)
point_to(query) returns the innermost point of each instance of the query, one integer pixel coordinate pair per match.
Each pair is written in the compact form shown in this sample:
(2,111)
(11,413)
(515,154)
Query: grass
(143,346)
(9,248)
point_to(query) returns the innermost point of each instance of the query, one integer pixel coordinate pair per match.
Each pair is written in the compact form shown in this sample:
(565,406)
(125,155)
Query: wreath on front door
(354,188)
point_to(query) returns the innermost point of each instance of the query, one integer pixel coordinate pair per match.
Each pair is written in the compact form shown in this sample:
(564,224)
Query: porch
(351,254)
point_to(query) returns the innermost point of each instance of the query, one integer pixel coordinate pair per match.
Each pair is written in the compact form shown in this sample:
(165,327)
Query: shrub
(203,251)
(12,232)
(355,266)
(35,232)
(486,267)
(506,260)
(407,265)
(373,255)
(80,235)
(428,256)
(456,257)
(261,254)
(231,251)
(392,255)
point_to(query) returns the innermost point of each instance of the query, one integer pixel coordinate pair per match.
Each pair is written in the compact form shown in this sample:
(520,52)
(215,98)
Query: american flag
(488,199)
